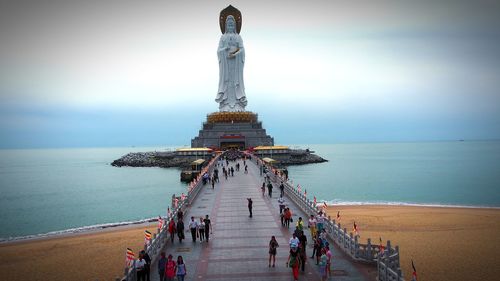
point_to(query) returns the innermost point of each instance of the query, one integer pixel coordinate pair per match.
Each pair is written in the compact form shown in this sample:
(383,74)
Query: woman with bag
(273,244)
(294,262)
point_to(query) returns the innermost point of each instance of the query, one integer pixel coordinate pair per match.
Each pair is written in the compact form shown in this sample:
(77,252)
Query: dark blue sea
(51,191)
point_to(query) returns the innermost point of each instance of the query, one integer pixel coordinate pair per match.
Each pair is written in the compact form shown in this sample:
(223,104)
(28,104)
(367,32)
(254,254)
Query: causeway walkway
(238,246)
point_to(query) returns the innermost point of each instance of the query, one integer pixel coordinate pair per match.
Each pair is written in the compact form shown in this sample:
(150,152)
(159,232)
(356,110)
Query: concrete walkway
(238,247)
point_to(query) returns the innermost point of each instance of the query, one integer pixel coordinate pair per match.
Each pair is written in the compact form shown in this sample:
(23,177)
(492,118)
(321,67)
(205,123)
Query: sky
(139,73)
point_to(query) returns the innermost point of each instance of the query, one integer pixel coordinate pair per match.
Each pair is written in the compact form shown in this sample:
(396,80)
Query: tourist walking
(140,264)
(288,217)
(320,219)
(147,266)
(270,189)
(250,204)
(318,248)
(201,229)
(193,226)
(213,182)
(273,245)
(281,202)
(282,190)
(171,230)
(181,269)
(328,260)
(300,224)
(322,265)
(208,227)
(263,188)
(170,269)
(161,266)
(294,241)
(294,262)
(302,249)
(246,169)
(312,225)
(180,230)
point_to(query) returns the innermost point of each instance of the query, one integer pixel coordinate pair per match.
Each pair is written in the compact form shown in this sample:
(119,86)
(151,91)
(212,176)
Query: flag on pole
(160,222)
(305,192)
(324,205)
(176,202)
(315,202)
(168,212)
(338,216)
(147,237)
(414,275)
(381,247)
(355,229)
(299,189)
(129,257)
(183,196)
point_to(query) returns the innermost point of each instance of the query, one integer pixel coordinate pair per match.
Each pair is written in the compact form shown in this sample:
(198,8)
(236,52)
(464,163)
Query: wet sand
(444,243)
(98,255)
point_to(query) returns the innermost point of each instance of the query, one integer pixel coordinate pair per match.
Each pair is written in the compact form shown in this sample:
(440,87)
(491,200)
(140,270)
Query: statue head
(230,24)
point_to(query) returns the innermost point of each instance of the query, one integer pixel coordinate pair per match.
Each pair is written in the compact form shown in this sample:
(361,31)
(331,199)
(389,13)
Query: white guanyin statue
(231,54)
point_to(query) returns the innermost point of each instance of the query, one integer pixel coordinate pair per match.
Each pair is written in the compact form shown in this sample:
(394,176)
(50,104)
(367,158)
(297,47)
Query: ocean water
(67,190)
(47,190)
(424,173)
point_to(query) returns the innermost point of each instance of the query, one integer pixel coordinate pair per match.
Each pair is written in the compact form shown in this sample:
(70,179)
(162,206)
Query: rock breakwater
(170,159)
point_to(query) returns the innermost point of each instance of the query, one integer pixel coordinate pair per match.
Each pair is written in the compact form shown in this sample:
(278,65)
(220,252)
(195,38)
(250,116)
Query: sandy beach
(444,243)
(90,256)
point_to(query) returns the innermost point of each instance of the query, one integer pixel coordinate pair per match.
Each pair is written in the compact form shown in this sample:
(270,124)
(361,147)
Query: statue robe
(231,93)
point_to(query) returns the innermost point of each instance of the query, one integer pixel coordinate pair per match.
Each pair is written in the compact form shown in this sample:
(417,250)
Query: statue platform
(224,130)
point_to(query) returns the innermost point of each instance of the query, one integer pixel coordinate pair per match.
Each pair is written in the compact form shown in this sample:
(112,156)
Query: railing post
(369,249)
(356,247)
(397,260)
(378,269)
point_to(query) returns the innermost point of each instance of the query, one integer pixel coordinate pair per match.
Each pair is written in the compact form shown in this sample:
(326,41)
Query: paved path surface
(238,247)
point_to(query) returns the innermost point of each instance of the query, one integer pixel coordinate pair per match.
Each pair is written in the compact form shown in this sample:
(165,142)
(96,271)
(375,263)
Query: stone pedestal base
(224,130)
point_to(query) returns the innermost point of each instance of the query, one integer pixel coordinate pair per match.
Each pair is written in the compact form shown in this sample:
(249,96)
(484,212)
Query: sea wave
(82,229)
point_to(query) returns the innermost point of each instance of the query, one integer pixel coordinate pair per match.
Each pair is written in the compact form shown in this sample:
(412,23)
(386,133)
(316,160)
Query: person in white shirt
(294,242)
(201,229)
(193,226)
(140,263)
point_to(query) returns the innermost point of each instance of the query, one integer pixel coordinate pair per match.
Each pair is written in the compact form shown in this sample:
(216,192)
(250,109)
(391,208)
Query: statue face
(230,25)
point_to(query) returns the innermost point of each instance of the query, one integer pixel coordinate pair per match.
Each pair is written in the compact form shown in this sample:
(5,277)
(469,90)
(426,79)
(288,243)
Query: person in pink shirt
(328,261)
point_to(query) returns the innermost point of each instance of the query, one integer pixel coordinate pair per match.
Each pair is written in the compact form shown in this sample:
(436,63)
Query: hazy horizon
(126,73)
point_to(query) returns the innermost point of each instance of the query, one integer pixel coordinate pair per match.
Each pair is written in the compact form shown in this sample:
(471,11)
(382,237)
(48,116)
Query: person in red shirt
(170,269)
(171,230)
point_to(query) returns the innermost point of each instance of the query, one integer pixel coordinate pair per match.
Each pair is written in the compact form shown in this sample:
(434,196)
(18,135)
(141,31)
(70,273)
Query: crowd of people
(201,229)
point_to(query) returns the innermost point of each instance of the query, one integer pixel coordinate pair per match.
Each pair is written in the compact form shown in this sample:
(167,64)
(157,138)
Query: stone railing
(160,238)
(387,262)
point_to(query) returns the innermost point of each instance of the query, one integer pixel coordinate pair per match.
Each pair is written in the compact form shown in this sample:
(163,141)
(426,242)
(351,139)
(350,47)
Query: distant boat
(460,140)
